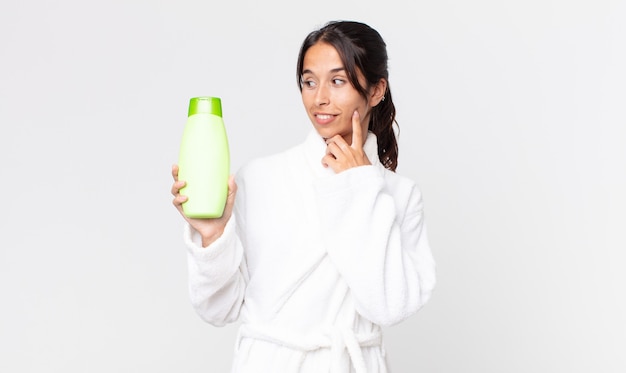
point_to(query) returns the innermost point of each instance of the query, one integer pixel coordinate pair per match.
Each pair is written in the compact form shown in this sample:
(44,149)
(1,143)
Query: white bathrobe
(313,263)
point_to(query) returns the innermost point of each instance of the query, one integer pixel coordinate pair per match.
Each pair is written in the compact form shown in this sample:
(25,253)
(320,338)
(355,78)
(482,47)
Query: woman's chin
(325,133)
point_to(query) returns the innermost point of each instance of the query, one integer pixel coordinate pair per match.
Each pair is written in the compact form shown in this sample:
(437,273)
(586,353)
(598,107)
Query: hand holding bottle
(210,229)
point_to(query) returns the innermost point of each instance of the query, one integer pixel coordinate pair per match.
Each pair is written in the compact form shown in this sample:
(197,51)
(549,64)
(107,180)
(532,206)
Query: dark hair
(361,48)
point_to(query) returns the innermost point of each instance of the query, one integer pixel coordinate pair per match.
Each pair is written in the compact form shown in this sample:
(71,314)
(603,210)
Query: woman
(320,245)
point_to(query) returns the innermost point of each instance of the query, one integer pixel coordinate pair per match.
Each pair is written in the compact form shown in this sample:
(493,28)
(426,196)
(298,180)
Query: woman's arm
(217,275)
(378,242)
(215,259)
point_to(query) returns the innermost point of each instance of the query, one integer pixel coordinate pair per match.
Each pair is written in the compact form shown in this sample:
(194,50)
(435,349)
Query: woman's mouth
(324,118)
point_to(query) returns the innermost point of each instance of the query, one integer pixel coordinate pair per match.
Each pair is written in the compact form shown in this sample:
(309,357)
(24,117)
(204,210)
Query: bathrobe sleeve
(375,234)
(217,275)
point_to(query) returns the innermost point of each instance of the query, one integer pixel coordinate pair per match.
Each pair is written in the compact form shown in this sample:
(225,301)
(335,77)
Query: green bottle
(204,159)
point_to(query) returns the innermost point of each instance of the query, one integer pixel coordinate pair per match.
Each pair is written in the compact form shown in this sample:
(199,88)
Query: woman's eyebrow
(335,70)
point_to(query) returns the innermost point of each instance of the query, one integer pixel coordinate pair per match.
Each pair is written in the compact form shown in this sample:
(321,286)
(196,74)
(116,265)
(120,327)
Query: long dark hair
(361,48)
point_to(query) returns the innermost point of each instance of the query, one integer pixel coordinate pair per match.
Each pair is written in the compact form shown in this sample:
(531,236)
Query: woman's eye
(338,81)
(308,83)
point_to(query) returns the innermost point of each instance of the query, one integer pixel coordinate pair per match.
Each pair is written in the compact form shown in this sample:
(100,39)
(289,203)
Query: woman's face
(328,96)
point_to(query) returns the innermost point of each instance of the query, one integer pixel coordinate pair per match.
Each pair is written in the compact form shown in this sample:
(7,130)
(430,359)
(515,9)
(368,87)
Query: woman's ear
(378,92)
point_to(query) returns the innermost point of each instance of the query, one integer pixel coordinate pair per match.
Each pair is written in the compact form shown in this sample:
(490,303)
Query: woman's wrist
(209,237)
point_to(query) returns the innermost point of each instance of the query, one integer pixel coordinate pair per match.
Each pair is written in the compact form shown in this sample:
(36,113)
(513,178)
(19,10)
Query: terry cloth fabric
(313,263)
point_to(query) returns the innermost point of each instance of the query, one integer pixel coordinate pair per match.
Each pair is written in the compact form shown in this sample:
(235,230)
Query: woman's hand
(209,229)
(340,156)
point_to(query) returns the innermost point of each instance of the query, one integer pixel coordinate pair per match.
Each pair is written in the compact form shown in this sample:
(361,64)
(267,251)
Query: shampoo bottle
(204,159)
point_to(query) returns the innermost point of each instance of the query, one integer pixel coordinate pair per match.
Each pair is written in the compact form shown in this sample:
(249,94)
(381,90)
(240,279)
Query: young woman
(322,244)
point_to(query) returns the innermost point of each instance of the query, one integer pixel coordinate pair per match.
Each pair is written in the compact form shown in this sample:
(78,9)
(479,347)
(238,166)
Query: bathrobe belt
(335,338)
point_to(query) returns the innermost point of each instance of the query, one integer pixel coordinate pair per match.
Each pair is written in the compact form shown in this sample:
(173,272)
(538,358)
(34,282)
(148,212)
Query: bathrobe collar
(315,148)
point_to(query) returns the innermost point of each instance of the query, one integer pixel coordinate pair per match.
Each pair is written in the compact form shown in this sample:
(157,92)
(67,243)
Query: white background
(512,120)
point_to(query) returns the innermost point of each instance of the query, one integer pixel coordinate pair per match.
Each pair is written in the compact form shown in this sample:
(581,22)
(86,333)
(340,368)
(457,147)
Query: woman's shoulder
(401,185)
(398,179)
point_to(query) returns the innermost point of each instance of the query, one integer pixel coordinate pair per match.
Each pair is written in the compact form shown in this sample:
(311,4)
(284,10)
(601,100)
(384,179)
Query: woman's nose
(321,96)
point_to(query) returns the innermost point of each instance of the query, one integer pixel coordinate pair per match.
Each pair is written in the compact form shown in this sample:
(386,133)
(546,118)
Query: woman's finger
(329,161)
(178,201)
(333,149)
(176,187)
(357,131)
(175,172)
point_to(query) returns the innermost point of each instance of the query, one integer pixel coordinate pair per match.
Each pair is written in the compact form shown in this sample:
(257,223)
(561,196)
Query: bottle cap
(205,105)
